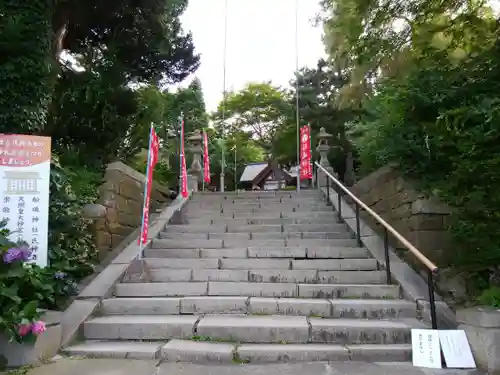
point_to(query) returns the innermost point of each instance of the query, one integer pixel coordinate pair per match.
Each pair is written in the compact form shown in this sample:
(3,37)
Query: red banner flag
(305,153)
(154,146)
(206,160)
(184,187)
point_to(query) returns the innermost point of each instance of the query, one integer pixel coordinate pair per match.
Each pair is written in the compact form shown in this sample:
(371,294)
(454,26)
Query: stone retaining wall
(420,220)
(122,194)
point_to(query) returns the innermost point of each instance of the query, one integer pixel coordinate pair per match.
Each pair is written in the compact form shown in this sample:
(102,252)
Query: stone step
(140,327)
(266,204)
(269,276)
(262,252)
(256,236)
(328,227)
(116,349)
(232,242)
(219,352)
(338,308)
(196,351)
(311,253)
(367,264)
(247,195)
(248,228)
(219,220)
(226,288)
(258,213)
(264,208)
(250,329)
(187,228)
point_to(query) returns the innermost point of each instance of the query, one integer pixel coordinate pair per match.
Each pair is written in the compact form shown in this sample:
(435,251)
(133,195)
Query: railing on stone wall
(342,191)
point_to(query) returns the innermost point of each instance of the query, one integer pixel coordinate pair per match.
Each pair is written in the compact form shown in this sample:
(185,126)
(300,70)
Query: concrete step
(256,236)
(311,204)
(250,329)
(247,195)
(246,242)
(339,308)
(196,351)
(367,264)
(268,276)
(289,242)
(187,228)
(311,253)
(219,352)
(219,220)
(116,349)
(282,213)
(247,289)
(263,252)
(295,329)
(140,327)
(264,209)
(333,227)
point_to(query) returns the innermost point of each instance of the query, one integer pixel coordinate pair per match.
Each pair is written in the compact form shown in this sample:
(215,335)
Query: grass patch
(238,360)
(211,339)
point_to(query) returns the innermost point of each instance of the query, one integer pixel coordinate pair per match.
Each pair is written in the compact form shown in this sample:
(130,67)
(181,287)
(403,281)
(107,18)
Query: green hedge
(442,126)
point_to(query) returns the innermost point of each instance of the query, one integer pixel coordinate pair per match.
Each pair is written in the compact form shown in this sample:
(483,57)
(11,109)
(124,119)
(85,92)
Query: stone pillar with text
(324,148)
(195,172)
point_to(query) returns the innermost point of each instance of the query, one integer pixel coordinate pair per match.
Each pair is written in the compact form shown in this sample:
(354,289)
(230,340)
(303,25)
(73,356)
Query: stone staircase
(255,277)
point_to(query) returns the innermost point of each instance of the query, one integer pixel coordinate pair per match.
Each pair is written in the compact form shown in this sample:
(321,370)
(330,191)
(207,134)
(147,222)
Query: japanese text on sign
(24,191)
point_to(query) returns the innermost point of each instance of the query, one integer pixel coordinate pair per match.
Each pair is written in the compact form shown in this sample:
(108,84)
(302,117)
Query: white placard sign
(425,348)
(456,349)
(25,189)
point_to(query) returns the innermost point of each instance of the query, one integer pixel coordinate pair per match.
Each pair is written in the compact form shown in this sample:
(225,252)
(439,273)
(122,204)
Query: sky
(260,42)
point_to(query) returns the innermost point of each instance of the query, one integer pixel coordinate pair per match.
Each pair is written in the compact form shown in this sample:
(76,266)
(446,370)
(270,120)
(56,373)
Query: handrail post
(339,203)
(387,260)
(358,226)
(432,300)
(327,191)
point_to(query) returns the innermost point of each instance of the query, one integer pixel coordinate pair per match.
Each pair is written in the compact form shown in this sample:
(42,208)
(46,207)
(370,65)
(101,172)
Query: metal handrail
(431,267)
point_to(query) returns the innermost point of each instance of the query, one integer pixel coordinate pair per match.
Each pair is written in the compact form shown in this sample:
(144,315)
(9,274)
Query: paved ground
(137,367)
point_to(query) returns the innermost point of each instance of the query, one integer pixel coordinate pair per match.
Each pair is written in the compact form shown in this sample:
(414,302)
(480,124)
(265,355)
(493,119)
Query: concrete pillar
(195,172)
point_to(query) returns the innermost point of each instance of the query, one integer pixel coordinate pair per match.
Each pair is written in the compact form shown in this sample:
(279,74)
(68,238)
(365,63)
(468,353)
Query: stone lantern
(324,148)
(195,170)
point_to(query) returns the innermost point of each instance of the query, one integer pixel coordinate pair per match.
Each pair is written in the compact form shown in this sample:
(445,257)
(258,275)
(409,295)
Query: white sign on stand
(456,349)
(24,191)
(425,348)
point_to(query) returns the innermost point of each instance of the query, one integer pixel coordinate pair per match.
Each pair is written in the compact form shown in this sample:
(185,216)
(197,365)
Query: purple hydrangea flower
(15,254)
(60,275)
(12,255)
(26,253)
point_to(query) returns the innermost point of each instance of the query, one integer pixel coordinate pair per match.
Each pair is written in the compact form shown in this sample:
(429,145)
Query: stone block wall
(420,220)
(122,195)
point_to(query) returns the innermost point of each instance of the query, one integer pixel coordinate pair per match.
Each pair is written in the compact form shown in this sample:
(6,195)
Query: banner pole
(204,167)
(145,193)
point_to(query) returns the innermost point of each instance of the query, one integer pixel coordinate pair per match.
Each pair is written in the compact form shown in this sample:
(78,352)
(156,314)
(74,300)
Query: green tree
(259,109)
(373,39)
(318,91)
(192,104)
(26,77)
(247,151)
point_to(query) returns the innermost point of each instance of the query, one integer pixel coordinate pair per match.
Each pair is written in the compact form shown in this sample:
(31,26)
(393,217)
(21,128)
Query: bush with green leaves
(26,290)
(441,125)
(71,245)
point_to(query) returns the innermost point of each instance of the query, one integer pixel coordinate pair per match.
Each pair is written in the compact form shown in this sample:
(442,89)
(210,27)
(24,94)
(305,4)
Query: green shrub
(442,126)
(26,289)
(490,297)
(71,245)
